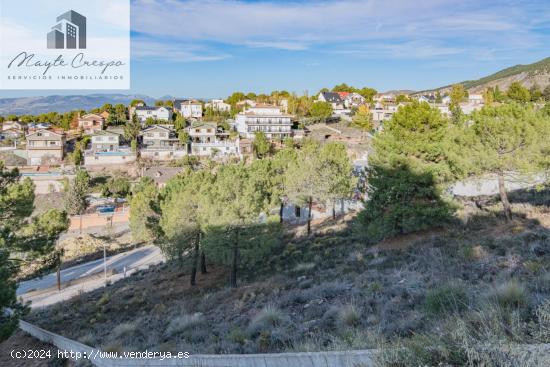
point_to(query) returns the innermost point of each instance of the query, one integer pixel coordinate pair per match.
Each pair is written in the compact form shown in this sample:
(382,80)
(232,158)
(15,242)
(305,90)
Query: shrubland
(425,277)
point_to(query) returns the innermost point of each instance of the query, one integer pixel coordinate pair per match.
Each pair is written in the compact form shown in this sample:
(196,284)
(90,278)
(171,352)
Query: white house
(188,108)
(246,103)
(384,97)
(208,140)
(269,119)
(381,112)
(45,146)
(218,105)
(9,125)
(352,99)
(333,98)
(105,141)
(158,113)
(429,98)
(475,99)
(106,150)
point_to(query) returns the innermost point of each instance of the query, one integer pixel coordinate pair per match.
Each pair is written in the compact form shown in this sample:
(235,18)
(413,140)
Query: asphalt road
(86,277)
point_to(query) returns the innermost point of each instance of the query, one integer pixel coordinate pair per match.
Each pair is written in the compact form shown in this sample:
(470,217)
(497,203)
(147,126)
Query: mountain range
(57,103)
(537,73)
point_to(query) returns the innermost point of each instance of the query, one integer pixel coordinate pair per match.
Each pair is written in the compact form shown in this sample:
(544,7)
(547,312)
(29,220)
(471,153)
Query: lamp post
(105,263)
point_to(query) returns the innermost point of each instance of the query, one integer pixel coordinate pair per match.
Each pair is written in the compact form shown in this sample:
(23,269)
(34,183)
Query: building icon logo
(69,33)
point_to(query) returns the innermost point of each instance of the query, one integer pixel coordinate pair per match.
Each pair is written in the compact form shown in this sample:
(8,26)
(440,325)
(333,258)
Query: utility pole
(58,261)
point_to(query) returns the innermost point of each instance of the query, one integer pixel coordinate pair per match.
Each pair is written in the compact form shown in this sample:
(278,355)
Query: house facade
(382,112)
(385,98)
(13,125)
(268,119)
(45,147)
(352,99)
(106,150)
(476,99)
(246,103)
(157,113)
(188,108)
(161,143)
(218,105)
(333,98)
(91,123)
(11,134)
(105,141)
(208,140)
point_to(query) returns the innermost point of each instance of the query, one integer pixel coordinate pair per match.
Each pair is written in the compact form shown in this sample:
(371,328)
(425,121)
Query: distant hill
(57,103)
(528,75)
(400,91)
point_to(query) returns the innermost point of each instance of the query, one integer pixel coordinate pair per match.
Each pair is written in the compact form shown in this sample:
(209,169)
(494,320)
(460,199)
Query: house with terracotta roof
(91,123)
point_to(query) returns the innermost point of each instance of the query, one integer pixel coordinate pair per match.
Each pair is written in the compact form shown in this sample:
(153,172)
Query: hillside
(537,73)
(482,279)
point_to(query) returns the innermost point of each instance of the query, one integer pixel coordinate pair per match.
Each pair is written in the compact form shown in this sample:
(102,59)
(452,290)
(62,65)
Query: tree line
(421,153)
(232,213)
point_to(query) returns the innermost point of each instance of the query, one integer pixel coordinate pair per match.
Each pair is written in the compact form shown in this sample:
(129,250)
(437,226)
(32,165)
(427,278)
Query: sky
(211,48)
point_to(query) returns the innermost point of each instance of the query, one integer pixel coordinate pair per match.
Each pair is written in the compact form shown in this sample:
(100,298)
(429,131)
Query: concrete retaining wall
(532,355)
(489,185)
(359,358)
(106,160)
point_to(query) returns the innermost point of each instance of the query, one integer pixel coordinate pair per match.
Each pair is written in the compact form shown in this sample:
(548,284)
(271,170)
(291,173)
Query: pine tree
(420,137)
(457,94)
(262,146)
(132,130)
(504,140)
(305,182)
(143,202)
(413,158)
(363,120)
(234,206)
(21,241)
(337,172)
(184,216)
(518,93)
(75,199)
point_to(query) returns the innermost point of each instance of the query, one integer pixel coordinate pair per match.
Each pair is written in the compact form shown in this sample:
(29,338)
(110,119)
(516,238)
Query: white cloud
(150,49)
(421,28)
(412,50)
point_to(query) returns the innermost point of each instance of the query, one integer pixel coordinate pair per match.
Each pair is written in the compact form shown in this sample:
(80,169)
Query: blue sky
(210,48)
